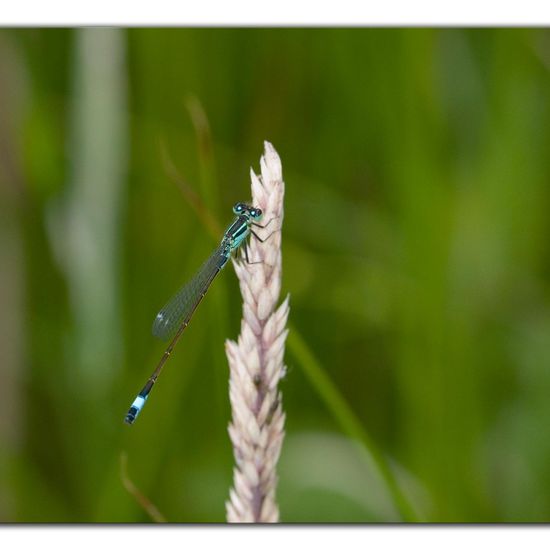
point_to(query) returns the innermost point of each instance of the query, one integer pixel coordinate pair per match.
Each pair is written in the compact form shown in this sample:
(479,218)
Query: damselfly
(174,317)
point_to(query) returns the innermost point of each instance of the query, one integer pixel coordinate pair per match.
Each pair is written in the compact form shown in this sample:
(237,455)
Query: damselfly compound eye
(239,207)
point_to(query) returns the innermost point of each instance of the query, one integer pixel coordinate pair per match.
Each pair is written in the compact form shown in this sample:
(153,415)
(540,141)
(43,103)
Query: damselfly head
(251,212)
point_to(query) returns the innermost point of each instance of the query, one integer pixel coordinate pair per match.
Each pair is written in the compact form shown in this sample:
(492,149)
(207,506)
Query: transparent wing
(182,305)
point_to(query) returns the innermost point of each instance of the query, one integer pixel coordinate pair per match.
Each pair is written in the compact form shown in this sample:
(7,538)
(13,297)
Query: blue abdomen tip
(135,409)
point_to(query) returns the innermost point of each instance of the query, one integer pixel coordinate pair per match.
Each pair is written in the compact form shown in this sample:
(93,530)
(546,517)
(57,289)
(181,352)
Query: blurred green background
(415,250)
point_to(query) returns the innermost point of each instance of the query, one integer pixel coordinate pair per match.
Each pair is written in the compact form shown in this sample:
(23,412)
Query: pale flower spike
(256,360)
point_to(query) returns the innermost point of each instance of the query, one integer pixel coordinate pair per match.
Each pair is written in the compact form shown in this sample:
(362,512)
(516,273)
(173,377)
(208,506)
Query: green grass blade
(349,422)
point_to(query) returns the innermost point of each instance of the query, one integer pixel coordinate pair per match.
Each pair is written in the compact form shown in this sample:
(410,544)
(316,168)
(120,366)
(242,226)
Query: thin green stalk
(349,422)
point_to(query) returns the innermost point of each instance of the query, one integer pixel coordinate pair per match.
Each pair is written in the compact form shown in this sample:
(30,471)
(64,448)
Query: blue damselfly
(174,317)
